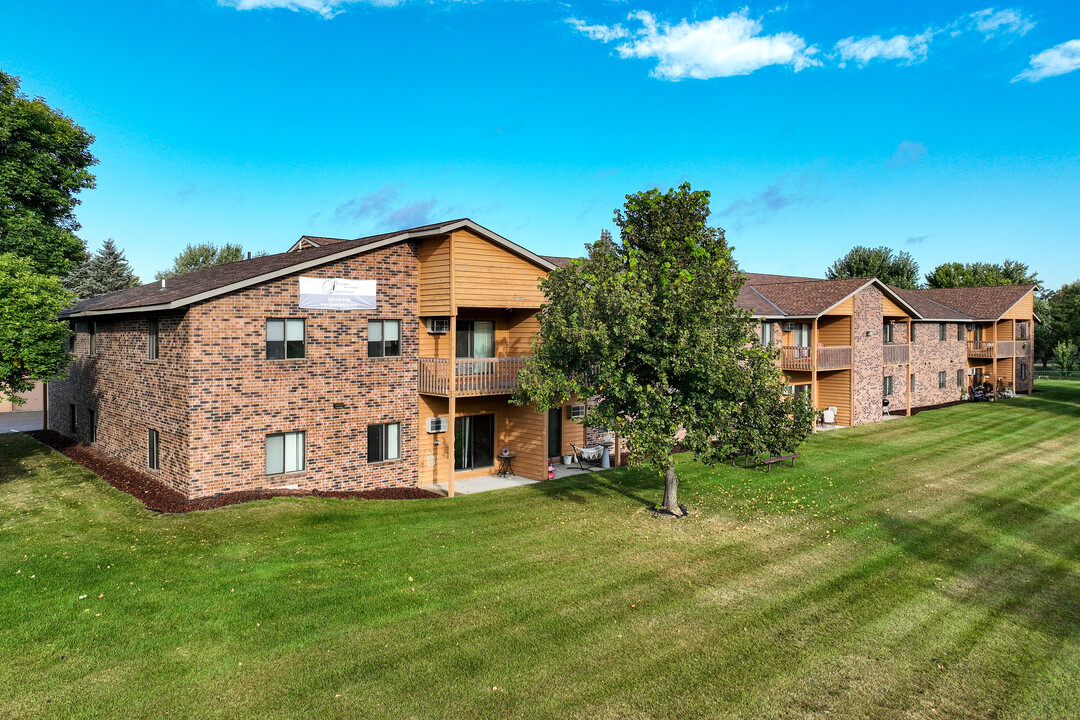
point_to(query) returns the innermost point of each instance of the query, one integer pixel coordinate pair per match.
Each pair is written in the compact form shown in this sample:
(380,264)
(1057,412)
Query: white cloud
(911,48)
(717,47)
(326,8)
(991,22)
(1058,60)
(603,33)
(907,152)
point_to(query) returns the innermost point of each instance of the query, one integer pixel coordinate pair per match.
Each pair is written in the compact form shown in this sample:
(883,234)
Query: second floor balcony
(472,376)
(800,357)
(996,348)
(895,354)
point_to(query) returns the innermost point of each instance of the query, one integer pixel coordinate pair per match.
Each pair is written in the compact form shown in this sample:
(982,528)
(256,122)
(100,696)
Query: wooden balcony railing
(1006,348)
(475,376)
(895,354)
(836,357)
(798,357)
(795,357)
(980,349)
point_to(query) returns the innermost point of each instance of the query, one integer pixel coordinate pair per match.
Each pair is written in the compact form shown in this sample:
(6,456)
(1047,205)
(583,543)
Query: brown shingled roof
(809,297)
(558,261)
(216,279)
(929,309)
(981,303)
(766,279)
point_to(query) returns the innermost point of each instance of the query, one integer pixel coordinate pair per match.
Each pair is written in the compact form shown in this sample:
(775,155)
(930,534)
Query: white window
(887,333)
(766,333)
(886,386)
(384,338)
(284,339)
(285,453)
(384,442)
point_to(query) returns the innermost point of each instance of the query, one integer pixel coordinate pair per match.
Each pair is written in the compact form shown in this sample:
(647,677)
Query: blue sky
(948,130)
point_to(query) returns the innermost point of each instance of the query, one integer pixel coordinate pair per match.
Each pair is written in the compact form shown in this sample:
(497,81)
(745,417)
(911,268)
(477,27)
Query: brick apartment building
(852,344)
(389,360)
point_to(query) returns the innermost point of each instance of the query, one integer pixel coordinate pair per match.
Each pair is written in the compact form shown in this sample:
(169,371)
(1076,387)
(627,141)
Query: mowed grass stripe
(790,594)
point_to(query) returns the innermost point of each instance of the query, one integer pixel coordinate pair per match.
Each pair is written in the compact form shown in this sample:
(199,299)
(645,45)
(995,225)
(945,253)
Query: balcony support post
(908,403)
(451,371)
(813,365)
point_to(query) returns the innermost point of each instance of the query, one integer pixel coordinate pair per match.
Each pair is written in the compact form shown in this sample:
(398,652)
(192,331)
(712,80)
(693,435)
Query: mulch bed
(159,497)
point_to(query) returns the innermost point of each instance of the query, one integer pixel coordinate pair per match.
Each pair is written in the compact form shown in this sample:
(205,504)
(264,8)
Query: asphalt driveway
(19,421)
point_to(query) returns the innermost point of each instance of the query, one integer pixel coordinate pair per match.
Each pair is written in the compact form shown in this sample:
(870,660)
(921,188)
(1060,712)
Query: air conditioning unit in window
(438,326)
(789,326)
(575,411)
(437,424)
(971,371)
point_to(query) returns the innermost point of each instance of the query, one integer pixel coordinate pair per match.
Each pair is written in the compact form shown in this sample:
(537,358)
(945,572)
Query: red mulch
(159,497)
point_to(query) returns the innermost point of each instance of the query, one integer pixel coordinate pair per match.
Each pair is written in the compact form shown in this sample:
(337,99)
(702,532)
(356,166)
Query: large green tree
(1045,330)
(894,268)
(648,329)
(105,272)
(979,274)
(44,163)
(32,339)
(200,255)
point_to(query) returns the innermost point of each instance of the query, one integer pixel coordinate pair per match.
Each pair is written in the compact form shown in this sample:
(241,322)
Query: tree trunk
(671,489)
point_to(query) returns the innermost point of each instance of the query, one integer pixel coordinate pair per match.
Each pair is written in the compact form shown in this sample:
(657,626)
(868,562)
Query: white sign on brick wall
(337,294)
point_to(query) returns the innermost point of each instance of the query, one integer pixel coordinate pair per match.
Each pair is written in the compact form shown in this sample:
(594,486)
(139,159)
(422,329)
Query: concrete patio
(495,482)
(20,421)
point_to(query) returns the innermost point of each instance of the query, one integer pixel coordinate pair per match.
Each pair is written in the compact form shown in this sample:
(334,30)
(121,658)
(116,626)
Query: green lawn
(926,567)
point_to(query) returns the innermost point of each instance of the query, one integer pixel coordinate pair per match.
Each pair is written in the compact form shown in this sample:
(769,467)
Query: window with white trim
(285,452)
(285,339)
(887,333)
(960,377)
(886,386)
(766,333)
(942,380)
(383,442)
(384,338)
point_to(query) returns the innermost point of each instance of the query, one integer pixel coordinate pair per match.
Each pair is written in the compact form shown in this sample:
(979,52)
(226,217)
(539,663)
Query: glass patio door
(474,442)
(475,339)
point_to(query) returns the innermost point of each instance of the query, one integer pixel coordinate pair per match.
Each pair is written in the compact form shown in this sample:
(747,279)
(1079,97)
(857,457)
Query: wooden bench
(745,455)
(768,463)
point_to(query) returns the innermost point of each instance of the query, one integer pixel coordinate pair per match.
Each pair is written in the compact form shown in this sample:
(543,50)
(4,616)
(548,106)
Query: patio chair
(592,455)
(828,416)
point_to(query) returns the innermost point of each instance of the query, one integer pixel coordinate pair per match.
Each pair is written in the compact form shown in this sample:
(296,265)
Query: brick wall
(238,396)
(867,355)
(130,393)
(929,356)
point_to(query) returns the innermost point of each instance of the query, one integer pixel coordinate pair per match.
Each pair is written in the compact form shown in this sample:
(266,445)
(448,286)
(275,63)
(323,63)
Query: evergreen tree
(105,272)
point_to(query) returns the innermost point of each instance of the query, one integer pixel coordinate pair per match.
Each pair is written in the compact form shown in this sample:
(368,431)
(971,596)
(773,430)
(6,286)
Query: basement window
(152,449)
(285,453)
(383,442)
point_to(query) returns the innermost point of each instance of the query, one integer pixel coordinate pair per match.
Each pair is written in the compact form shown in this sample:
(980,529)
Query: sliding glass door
(474,442)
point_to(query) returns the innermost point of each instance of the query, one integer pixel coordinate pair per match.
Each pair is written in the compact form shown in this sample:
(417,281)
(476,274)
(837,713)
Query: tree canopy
(648,330)
(200,255)
(32,339)
(952,275)
(899,269)
(104,272)
(44,163)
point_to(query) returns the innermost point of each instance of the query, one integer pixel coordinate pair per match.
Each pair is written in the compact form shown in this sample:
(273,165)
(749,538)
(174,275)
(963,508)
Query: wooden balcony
(895,354)
(836,357)
(797,357)
(474,376)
